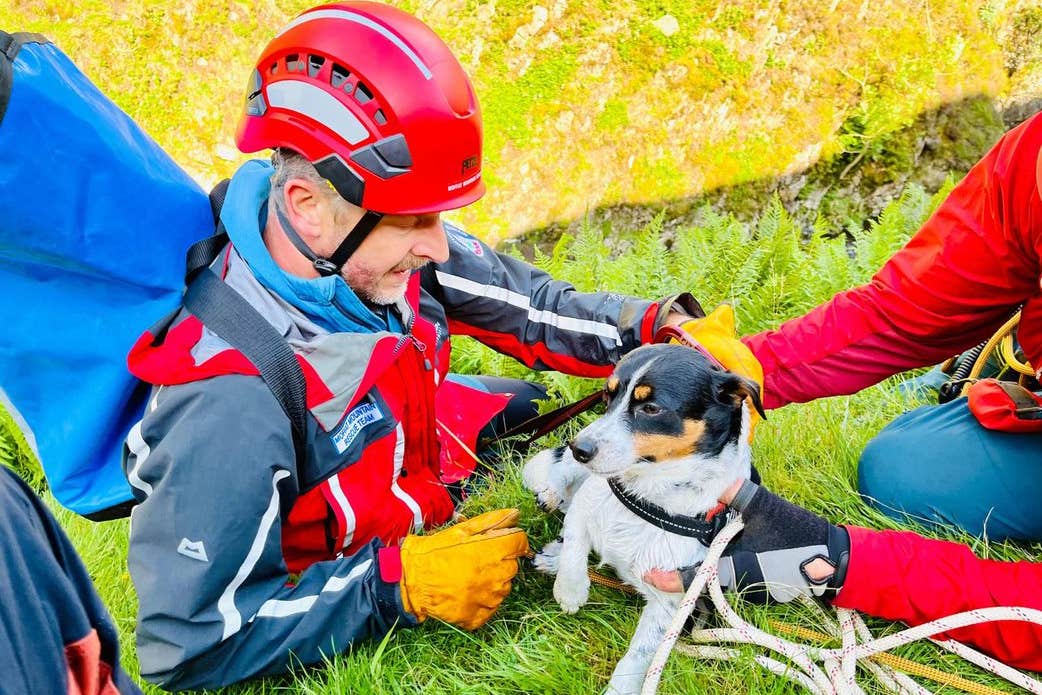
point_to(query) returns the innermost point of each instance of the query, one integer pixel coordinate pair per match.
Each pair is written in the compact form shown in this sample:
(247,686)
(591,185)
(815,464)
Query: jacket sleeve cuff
(684,303)
(388,586)
(859,563)
(389,560)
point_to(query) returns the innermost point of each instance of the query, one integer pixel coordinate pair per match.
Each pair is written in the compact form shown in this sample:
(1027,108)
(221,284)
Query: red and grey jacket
(974,261)
(244,561)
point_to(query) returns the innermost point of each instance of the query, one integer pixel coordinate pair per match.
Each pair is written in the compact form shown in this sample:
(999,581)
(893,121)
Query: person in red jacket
(974,262)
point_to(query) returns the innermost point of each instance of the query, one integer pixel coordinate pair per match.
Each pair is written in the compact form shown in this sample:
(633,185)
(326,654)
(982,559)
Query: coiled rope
(836,675)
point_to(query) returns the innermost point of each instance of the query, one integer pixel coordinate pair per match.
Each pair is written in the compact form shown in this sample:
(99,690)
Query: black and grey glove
(768,561)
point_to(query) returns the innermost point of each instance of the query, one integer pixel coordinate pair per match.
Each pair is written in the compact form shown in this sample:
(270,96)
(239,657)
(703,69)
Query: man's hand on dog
(784,551)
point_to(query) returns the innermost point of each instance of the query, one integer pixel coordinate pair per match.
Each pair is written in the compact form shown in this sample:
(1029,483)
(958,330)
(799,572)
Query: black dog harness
(703,527)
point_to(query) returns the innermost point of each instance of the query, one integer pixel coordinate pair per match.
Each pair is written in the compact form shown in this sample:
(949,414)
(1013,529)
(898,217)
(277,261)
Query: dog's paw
(538,477)
(548,559)
(571,595)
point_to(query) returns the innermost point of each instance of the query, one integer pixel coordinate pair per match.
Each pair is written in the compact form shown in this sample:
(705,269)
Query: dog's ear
(733,389)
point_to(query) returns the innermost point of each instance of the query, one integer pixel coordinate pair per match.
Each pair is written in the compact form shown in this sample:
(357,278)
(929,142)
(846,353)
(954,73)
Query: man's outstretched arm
(786,550)
(973,262)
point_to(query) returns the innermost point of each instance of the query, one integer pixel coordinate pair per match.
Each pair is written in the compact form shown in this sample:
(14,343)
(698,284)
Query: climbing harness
(964,370)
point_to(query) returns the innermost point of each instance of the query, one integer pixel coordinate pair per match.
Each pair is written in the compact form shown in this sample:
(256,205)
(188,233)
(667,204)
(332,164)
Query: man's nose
(433,243)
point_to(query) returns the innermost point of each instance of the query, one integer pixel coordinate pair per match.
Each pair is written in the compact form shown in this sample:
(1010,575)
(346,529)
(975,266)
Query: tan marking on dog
(663,447)
(642,393)
(613,385)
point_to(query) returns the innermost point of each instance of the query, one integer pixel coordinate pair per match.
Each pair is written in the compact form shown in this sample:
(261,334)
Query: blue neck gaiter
(328,301)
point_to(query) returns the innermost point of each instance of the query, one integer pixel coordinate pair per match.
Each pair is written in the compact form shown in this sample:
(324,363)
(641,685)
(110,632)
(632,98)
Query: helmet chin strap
(332,265)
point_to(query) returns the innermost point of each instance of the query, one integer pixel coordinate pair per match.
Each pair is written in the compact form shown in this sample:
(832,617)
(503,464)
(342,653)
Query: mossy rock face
(589,104)
(832,193)
(1023,38)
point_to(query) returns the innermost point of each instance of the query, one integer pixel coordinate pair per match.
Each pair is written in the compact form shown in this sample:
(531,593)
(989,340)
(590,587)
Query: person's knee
(880,472)
(15,495)
(937,465)
(895,472)
(528,396)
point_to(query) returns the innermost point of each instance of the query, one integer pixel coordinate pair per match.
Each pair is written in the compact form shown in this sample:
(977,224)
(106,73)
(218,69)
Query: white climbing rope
(836,675)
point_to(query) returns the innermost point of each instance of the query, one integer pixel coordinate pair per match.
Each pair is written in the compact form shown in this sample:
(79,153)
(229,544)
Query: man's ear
(732,388)
(305,207)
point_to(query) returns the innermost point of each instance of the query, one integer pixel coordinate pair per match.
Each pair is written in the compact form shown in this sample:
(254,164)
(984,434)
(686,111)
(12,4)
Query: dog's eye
(650,409)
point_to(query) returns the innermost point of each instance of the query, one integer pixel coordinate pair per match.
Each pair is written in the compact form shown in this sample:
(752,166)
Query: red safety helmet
(376,101)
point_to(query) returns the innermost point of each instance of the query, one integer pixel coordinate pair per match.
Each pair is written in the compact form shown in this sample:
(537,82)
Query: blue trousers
(939,466)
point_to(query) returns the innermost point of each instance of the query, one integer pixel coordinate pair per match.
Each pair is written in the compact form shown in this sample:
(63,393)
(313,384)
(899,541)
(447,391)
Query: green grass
(612,112)
(807,453)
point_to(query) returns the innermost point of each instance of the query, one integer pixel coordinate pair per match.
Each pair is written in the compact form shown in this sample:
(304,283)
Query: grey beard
(382,300)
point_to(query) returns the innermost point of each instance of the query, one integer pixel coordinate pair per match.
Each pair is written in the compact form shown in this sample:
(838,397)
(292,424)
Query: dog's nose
(583,451)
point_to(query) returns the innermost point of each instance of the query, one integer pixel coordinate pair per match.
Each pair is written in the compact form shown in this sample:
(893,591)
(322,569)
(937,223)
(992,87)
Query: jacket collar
(327,301)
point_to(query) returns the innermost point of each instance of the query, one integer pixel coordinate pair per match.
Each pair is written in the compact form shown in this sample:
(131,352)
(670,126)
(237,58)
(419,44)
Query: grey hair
(290,165)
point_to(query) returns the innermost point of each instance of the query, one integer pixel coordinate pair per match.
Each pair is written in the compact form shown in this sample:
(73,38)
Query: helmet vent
(273,69)
(315,64)
(363,95)
(379,117)
(338,76)
(294,63)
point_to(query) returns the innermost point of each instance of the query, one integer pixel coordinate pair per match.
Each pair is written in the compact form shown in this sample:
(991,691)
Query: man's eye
(650,409)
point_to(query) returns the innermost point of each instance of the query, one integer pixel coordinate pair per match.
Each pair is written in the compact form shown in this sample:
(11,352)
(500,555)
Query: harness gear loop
(969,366)
(1006,331)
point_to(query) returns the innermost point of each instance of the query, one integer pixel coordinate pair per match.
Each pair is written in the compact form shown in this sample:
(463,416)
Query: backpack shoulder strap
(203,252)
(234,320)
(10,44)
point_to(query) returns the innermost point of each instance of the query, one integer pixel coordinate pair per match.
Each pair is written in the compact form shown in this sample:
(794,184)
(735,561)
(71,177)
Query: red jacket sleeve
(955,282)
(899,575)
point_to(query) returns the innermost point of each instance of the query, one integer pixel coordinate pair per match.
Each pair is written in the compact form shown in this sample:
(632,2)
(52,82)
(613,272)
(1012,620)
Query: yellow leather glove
(716,333)
(461,574)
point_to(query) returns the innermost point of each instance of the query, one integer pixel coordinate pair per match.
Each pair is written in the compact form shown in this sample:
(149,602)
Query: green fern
(769,271)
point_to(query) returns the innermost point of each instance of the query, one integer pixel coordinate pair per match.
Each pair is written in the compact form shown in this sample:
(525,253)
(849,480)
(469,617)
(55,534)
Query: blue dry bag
(95,220)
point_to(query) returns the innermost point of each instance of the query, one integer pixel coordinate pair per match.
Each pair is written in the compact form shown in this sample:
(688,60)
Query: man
(974,262)
(245,561)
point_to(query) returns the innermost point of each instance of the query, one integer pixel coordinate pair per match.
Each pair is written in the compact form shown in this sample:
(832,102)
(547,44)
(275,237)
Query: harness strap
(10,44)
(703,527)
(234,320)
(332,265)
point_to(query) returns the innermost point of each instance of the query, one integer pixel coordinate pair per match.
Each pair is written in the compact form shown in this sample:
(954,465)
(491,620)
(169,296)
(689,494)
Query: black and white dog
(637,483)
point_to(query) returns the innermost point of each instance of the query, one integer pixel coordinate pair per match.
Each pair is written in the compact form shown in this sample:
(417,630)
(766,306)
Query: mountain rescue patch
(353,423)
